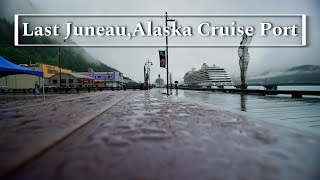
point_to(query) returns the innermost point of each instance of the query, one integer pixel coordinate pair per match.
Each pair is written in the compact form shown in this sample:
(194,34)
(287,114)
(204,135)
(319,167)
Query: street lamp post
(148,68)
(167,53)
(144,75)
(59,62)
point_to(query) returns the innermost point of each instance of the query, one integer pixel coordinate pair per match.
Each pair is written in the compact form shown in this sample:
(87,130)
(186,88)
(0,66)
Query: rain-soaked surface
(299,113)
(30,126)
(152,136)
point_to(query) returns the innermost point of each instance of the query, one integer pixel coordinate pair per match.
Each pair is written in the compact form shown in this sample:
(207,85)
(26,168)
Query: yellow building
(49,70)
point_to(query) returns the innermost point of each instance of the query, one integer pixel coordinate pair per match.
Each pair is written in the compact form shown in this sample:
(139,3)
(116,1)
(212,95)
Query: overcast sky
(130,61)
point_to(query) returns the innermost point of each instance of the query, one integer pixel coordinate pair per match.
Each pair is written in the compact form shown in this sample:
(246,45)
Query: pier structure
(293,93)
(274,86)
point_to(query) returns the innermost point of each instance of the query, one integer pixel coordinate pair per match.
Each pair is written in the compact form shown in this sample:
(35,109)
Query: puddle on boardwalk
(264,137)
(154,137)
(232,122)
(27,122)
(118,141)
(153,130)
(124,129)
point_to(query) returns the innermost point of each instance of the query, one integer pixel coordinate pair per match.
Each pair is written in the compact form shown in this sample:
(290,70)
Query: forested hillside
(76,58)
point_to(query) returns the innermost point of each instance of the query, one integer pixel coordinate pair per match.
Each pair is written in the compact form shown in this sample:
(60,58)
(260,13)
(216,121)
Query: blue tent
(9,68)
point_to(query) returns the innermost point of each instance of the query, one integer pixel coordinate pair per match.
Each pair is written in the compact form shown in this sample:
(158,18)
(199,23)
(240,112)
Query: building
(20,81)
(128,81)
(105,79)
(26,81)
(49,70)
(71,80)
(159,82)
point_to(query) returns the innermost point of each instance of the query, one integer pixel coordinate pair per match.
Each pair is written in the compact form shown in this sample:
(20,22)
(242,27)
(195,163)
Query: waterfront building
(71,80)
(49,70)
(105,79)
(128,81)
(20,81)
(208,76)
(159,81)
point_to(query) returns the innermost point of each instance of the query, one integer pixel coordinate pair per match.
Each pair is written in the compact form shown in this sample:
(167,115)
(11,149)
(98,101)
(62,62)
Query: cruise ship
(208,76)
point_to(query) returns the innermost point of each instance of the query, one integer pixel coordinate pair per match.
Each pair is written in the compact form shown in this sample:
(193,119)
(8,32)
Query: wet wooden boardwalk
(147,135)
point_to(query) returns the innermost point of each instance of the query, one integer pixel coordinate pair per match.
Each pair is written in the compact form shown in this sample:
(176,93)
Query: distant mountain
(306,68)
(298,74)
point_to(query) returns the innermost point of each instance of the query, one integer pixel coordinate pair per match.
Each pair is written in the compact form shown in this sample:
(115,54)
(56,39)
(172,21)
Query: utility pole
(59,61)
(167,52)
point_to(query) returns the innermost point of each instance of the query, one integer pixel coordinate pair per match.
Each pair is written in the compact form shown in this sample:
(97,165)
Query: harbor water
(301,113)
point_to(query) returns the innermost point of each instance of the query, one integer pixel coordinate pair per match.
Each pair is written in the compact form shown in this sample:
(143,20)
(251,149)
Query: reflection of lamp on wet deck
(243,102)
(105,82)
(148,72)
(109,79)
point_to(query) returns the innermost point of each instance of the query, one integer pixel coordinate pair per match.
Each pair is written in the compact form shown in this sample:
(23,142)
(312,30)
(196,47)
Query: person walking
(36,88)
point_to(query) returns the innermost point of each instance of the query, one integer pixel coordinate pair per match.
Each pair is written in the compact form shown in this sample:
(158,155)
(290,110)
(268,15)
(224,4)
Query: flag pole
(167,56)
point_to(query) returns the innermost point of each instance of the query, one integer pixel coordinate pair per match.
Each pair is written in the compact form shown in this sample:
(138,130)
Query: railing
(281,84)
(294,94)
(54,90)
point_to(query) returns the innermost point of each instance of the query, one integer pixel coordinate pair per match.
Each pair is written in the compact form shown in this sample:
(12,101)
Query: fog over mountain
(130,61)
(299,74)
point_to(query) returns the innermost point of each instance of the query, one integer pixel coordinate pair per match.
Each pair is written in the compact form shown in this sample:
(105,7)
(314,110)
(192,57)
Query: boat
(208,77)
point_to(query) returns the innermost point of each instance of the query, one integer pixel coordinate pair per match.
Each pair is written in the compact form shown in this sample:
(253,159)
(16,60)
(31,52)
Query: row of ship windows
(208,74)
(208,80)
(195,82)
(228,78)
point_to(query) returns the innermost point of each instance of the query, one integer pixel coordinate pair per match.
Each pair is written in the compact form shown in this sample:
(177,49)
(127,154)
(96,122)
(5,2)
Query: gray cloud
(131,60)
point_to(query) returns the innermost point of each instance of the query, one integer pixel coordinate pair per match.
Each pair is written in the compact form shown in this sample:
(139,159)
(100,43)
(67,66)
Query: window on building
(54,81)
(63,81)
(79,80)
(50,71)
(70,81)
